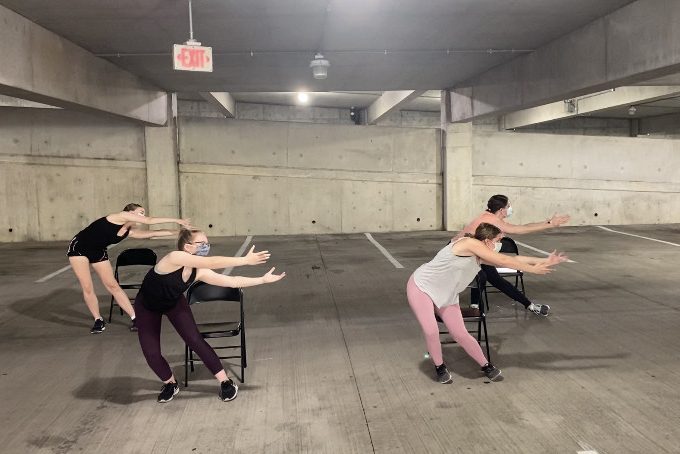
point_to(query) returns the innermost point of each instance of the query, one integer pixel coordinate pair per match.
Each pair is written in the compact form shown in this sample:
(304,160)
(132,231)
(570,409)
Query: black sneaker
(168,391)
(99,326)
(443,374)
(133,325)
(228,390)
(492,372)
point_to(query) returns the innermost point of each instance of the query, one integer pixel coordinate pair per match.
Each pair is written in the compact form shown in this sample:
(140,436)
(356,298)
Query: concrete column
(458,175)
(162,166)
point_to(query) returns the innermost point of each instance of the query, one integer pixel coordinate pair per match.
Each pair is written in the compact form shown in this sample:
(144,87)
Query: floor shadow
(460,364)
(129,390)
(64,307)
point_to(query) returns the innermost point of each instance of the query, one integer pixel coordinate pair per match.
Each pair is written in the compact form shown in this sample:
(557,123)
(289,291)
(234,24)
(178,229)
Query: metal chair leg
(186,365)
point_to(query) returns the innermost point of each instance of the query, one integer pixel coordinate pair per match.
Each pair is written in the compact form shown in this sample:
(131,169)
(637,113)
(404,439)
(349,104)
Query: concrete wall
(259,177)
(60,170)
(598,180)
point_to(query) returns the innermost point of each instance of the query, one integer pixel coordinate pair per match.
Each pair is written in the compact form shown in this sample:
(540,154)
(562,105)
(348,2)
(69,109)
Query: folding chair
(200,292)
(508,246)
(473,315)
(131,257)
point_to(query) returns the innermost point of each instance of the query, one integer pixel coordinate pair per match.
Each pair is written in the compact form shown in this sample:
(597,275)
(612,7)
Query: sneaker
(99,326)
(492,372)
(168,391)
(443,374)
(539,309)
(228,390)
(133,325)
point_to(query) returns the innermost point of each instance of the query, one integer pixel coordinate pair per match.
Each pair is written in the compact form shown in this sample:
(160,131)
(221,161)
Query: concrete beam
(637,42)
(389,101)
(223,101)
(9,101)
(618,97)
(40,66)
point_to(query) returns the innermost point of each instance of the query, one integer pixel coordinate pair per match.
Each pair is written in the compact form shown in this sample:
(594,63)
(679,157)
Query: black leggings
(490,273)
(149,332)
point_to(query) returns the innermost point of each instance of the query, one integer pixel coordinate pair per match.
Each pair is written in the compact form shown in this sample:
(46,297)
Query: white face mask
(497,247)
(509,212)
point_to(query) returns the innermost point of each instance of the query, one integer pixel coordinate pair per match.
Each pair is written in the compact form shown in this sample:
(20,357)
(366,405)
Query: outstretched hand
(271,277)
(256,258)
(556,257)
(186,223)
(541,268)
(559,219)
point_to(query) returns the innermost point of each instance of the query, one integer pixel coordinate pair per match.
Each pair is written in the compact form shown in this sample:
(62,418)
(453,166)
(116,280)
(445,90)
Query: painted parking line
(384,251)
(239,253)
(540,251)
(59,271)
(636,236)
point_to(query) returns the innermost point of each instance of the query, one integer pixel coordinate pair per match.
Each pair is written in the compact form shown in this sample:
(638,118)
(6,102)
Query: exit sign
(192,58)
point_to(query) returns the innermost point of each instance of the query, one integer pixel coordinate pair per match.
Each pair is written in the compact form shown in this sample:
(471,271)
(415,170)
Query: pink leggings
(424,308)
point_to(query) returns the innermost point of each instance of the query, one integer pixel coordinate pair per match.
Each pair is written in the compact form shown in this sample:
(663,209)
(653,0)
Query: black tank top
(100,234)
(160,292)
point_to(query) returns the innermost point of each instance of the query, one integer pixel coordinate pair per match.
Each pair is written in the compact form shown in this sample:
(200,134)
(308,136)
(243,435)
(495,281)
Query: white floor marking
(239,253)
(636,236)
(384,251)
(540,251)
(51,275)
(59,271)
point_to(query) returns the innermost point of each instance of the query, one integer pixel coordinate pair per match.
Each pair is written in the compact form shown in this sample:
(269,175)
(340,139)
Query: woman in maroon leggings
(162,293)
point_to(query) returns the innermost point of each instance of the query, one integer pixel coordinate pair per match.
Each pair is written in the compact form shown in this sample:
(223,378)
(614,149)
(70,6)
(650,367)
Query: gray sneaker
(539,309)
(492,372)
(443,375)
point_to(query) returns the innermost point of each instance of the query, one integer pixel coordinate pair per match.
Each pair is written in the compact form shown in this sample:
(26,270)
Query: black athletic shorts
(94,256)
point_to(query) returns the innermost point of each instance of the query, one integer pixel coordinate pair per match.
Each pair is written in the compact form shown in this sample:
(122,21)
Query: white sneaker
(539,309)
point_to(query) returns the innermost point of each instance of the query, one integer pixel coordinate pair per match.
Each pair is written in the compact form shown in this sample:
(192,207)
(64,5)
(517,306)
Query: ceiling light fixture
(302,97)
(632,110)
(319,66)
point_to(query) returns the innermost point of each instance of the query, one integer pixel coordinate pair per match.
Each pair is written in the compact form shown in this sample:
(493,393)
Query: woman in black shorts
(88,247)
(162,293)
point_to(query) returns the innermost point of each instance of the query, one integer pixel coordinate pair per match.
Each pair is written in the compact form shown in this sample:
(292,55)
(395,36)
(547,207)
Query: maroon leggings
(149,332)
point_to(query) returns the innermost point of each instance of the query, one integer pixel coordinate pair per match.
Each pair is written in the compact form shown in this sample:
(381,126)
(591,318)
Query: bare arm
(555,221)
(142,234)
(126,216)
(181,258)
(211,277)
(475,247)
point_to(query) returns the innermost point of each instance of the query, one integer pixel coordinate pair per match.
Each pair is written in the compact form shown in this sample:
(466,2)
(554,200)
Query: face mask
(497,247)
(509,212)
(202,249)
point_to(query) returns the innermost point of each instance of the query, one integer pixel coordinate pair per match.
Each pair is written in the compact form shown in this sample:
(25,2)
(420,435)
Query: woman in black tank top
(89,247)
(162,293)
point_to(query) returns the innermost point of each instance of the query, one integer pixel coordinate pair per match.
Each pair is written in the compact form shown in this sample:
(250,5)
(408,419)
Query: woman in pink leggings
(434,288)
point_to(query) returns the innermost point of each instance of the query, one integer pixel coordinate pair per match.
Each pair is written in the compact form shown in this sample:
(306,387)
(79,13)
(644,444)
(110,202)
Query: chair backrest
(141,256)
(200,292)
(508,246)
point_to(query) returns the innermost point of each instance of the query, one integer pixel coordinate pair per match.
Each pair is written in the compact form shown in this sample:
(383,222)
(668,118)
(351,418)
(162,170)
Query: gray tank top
(446,275)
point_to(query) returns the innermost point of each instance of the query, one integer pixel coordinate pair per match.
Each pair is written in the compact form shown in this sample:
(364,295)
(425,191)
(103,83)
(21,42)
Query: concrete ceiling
(667,106)
(428,102)
(284,34)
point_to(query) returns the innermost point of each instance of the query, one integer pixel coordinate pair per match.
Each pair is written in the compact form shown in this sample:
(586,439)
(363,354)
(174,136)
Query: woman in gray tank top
(434,288)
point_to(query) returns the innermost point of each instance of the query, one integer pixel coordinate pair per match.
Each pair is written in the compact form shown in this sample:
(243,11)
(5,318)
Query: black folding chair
(131,257)
(508,246)
(200,292)
(476,315)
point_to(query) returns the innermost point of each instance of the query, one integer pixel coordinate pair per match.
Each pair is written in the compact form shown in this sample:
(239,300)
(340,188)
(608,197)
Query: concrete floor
(336,357)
